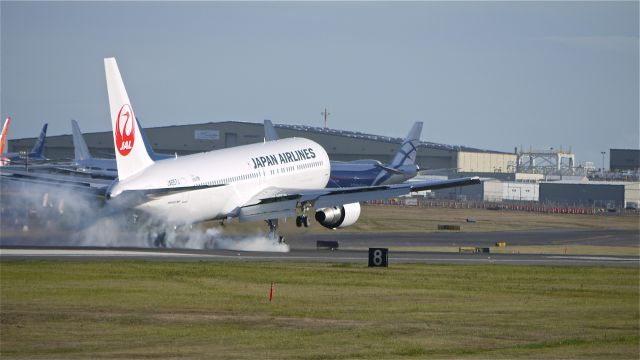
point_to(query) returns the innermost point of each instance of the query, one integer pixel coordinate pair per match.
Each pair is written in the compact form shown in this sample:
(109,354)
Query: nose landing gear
(273,231)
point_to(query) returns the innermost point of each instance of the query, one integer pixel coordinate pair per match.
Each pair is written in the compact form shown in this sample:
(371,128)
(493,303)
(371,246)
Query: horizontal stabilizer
(390,169)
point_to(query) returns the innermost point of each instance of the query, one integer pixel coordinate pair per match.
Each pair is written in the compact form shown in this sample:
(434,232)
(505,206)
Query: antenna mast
(325,113)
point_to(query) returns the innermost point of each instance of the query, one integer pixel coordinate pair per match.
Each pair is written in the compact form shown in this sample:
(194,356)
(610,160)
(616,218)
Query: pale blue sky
(491,75)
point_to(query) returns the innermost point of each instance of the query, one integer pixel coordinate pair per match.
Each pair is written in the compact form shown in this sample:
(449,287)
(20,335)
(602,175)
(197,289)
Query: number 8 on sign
(378,257)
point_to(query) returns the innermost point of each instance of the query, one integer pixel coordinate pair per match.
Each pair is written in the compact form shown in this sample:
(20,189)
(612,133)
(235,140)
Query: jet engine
(338,216)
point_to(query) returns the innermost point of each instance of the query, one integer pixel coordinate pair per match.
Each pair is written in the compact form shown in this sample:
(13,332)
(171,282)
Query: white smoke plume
(33,214)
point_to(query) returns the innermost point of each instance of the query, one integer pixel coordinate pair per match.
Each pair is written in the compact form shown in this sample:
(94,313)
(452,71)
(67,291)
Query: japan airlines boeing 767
(263,181)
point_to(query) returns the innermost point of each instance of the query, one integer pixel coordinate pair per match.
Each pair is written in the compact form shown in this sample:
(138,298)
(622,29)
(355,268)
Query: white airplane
(263,181)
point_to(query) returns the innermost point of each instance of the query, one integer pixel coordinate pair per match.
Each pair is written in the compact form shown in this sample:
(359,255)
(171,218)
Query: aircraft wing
(278,203)
(96,187)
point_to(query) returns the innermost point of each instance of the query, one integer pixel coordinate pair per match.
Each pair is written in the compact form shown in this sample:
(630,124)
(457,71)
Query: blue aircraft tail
(38,148)
(406,155)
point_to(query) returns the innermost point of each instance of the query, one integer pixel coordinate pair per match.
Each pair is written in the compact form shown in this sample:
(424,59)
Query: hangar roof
(295,128)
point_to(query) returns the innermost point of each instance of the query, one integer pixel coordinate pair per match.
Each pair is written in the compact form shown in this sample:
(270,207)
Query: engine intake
(338,216)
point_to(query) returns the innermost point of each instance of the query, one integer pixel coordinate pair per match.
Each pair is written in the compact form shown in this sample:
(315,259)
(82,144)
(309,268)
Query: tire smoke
(43,215)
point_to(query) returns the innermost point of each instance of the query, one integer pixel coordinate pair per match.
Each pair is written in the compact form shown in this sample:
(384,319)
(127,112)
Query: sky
(491,75)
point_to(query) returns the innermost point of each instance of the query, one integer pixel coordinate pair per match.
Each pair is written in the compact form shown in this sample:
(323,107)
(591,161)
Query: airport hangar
(340,145)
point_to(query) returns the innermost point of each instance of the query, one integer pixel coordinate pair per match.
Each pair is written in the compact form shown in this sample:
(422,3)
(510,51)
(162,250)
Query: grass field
(378,218)
(426,219)
(136,309)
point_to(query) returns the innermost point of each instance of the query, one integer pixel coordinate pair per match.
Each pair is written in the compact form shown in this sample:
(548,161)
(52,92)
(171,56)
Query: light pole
(603,152)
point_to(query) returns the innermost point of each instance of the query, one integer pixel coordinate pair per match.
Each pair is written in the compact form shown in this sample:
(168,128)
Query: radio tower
(325,113)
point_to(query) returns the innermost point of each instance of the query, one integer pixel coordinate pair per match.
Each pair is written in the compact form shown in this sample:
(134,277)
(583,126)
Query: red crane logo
(125,131)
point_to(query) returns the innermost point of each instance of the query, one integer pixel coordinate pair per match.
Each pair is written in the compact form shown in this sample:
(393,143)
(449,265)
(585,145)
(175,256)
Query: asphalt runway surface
(338,256)
(350,240)
(353,249)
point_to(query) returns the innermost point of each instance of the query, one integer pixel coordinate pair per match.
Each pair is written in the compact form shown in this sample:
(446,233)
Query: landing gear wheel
(302,221)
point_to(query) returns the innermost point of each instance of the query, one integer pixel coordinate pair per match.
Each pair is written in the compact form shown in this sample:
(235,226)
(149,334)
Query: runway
(300,240)
(352,248)
(337,256)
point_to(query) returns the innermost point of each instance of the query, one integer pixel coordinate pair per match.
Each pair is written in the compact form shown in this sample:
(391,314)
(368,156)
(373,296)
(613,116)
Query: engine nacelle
(338,216)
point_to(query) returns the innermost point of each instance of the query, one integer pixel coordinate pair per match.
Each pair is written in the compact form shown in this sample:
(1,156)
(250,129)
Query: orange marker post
(271,293)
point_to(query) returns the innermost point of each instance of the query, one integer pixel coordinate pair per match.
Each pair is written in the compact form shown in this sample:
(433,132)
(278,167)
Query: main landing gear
(302,220)
(273,231)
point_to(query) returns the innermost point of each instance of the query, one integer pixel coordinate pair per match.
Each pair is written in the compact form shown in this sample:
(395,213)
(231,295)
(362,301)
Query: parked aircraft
(36,153)
(84,163)
(263,181)
(369,172)
(3,141)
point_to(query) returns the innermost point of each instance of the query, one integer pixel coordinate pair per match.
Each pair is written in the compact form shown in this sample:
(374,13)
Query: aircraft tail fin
(38,147)
(130,148)
(270,133)
(80,149)
(3,136)
(406,155)
(3,141)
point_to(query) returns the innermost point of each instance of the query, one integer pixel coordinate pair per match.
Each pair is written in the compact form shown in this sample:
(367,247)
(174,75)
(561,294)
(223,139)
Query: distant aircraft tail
(3,140)
(270,133)
(38,148)
(130,147)
(80,149)
(3,136)
(406,155)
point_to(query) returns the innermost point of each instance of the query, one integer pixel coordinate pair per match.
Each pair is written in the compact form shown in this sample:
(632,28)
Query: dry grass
(426,219)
